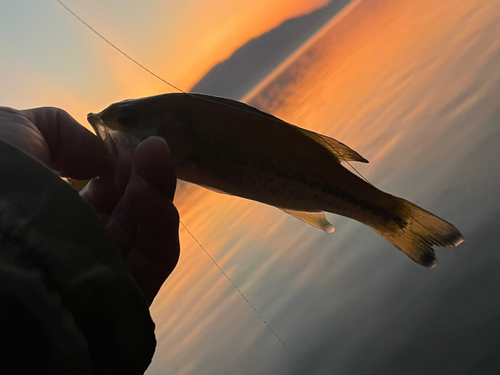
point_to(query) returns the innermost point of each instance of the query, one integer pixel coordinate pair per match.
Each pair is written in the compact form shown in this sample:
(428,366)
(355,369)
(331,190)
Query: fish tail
(416,231)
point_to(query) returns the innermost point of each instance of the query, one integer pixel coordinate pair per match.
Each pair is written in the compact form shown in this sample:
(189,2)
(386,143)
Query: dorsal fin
(339,150)
(235,104)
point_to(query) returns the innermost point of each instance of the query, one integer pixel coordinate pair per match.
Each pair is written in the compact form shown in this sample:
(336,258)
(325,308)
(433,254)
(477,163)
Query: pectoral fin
(339,150)
(78,185)
(316,219)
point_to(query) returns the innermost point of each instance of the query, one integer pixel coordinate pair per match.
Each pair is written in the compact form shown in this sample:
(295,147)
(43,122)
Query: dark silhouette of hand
(132,193)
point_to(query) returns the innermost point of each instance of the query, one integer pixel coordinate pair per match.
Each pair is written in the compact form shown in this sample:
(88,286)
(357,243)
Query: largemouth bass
(231,147)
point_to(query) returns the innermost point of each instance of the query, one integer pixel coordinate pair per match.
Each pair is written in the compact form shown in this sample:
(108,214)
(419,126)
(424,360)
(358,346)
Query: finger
(103,195)
(104,192)
(145,223)
(22,133)
(122,225)
(147,196)
(153,162)
(74,151)
(123,169)
(157,238)
(149,272)
(150,193)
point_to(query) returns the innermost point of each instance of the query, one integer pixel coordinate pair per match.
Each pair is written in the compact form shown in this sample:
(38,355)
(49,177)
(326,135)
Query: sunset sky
(412,85)
(49,58)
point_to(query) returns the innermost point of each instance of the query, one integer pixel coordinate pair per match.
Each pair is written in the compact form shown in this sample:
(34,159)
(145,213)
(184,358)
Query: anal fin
(316,219)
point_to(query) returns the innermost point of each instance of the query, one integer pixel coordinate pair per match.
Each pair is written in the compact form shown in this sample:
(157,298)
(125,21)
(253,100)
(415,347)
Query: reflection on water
(414,87)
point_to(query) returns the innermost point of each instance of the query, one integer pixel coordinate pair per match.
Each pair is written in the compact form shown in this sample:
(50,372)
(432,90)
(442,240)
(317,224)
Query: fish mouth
(98,125)
(102,131)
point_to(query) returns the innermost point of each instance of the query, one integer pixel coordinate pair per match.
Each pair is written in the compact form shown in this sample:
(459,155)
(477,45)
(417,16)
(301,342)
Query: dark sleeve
(68,304)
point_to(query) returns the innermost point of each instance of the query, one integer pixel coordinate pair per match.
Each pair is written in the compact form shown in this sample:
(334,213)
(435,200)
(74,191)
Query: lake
(414,87)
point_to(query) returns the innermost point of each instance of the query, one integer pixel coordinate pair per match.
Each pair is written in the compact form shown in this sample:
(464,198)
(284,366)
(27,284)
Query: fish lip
(97,124)
(101,131)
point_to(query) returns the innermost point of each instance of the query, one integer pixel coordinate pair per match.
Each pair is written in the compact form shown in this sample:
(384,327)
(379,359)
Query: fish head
(125,124)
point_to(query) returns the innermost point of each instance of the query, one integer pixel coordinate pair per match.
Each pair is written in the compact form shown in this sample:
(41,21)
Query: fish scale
(231,147)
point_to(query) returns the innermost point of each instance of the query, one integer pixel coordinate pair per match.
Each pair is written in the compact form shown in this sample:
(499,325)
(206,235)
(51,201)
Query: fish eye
(127,118)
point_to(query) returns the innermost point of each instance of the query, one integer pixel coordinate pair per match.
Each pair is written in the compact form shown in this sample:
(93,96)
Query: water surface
(413,86)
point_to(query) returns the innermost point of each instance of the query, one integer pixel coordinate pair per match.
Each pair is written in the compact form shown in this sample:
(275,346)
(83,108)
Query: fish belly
(285,186)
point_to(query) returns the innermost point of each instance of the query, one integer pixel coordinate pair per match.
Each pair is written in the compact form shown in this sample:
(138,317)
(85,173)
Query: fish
(233,148)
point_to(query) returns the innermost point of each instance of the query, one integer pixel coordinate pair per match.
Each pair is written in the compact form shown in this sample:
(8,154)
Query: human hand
(136,206)
(133,194)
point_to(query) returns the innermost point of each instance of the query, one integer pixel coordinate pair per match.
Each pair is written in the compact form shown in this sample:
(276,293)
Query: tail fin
(420,233)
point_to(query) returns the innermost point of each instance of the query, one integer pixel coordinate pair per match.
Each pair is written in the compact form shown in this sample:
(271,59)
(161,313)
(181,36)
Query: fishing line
(242,295)
(116,48)
(183,225)
(219,103)
(179,89)
(237,108)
